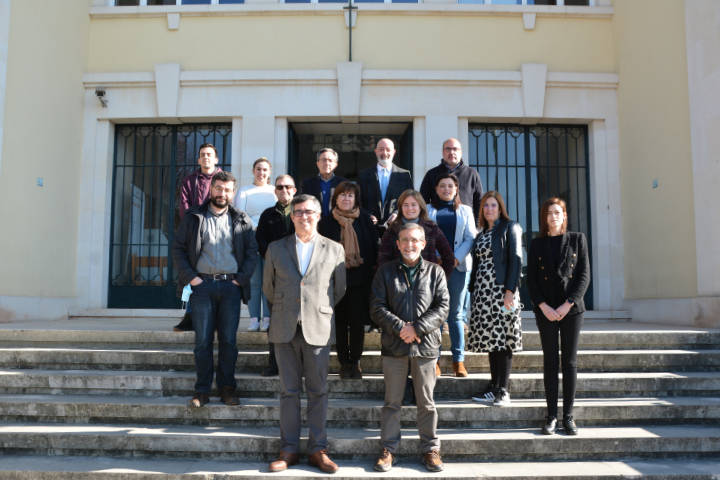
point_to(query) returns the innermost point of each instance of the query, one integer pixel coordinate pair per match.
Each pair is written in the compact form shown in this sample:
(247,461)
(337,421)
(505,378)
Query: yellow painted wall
(654,123)
(47,55)
(379,41)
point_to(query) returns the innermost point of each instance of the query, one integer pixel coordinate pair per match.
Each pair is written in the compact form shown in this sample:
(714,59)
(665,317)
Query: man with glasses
(215,254)
(410,302)
(469,182)
(323,186)
(304,279)
(194,190)
(276,223)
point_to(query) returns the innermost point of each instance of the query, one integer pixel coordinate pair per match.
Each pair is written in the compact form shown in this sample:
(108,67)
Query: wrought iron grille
(150,162)
(528,165)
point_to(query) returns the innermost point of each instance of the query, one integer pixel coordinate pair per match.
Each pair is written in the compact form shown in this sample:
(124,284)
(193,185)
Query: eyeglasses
(414,241)
(303,213)
(286,187)
(219,189)
(452,149)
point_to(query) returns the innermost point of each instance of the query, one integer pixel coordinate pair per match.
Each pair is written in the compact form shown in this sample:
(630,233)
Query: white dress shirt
(304,252)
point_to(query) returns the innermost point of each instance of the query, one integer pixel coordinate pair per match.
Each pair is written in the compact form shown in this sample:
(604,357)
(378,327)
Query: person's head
(207,157)
(261,171)
(492,207)
(411,242)
(306,211)
(284,188)
(346,196)
(385,151)
(447,188)
(553,214)
(452,152)
(411,206)
(327,161)
(222,189)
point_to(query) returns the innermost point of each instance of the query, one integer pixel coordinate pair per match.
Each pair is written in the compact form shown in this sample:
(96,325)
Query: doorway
(354,143)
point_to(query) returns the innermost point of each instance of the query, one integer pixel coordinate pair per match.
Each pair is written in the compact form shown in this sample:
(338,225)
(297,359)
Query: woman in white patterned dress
(494,322)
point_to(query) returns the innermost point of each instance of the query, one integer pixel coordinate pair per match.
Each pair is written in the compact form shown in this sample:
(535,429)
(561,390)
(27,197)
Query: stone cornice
(365,9)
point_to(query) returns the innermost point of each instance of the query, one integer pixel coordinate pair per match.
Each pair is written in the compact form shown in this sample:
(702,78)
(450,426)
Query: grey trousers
(294,359)
(395,370)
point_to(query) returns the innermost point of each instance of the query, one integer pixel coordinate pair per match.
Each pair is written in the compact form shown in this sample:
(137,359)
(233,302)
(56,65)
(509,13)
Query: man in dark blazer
(382,184)
(304,278)
(323,186)
(469,182)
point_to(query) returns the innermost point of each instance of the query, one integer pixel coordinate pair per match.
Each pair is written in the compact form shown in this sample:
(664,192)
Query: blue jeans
(215,305)
(256,293)
(458,287)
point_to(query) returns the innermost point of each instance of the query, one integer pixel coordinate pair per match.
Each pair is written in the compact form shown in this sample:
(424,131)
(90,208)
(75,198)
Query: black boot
(185,324)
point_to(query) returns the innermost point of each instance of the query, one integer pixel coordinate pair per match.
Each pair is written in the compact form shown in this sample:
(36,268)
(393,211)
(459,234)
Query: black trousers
(569,333)
(500,366)
(350,319)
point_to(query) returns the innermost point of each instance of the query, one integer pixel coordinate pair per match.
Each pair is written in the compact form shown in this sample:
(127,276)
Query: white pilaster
(438,128)
(419,156)
(4,35)
(280,165)
(258,140)
(464,134)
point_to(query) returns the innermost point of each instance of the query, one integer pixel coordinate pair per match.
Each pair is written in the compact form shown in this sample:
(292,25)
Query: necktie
(384,179)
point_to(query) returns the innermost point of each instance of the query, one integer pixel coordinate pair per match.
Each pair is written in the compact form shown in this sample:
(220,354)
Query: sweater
(469,183)
(254,200)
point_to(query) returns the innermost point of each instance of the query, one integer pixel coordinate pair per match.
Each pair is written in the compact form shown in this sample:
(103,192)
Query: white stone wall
(4,35)
(260,104)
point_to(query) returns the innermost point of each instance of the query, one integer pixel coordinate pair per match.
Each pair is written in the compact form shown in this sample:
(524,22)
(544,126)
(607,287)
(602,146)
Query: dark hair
(436,198)
(418,198)
(224,176)
(260,160)
(323,150)
(482,222)
(346,187)
(207,145)
(306,198)
(544,227)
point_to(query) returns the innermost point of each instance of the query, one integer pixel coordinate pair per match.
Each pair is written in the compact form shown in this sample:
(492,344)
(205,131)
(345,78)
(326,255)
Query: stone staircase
(106,398)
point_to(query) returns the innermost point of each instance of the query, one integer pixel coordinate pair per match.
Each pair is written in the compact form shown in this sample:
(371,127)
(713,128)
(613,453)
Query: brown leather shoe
(229,396)
(459,369)
(199,400)
(438,372)
(321,460)
(355,372)
(345,371)
(284,460)
(386,461)
(432,461)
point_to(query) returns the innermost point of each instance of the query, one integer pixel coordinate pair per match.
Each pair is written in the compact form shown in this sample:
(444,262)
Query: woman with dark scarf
(352,227)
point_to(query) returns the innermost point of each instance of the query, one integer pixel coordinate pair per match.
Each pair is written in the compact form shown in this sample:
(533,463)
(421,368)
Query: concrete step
(20,467)
(254,361)
(264,412)
(522,385)
(111,334)
(263,444)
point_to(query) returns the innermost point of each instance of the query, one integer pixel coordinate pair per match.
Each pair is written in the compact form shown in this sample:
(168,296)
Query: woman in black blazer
(558,274)
(350,225)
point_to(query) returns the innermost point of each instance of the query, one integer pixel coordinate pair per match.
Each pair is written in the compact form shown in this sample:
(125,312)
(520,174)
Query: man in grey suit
(304,278)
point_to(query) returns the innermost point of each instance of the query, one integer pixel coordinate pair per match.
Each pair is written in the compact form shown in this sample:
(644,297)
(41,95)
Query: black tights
(500,366)
(569,329)
(350,316)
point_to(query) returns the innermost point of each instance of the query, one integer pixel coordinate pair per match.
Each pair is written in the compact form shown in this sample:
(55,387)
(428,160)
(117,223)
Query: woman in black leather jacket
(558,274)
(495,319)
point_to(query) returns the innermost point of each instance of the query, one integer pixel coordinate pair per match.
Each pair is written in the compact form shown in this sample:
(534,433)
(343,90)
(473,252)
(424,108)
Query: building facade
(609,104)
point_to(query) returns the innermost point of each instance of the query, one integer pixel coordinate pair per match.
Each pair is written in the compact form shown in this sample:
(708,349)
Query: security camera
(100,93)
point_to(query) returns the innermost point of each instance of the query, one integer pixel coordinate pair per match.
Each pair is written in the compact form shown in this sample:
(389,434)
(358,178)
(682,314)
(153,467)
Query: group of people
(316,268)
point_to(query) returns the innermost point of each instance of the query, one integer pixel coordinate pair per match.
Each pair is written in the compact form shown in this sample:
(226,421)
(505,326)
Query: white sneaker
(254,325)
(265,324)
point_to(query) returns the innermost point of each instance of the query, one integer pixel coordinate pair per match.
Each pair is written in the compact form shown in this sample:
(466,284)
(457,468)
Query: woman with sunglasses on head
(254,199)
(457,223)
(558,274)
(495,326)
(351,226)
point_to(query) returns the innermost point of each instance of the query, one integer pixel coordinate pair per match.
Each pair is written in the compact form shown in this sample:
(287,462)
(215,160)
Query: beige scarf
(348,238)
